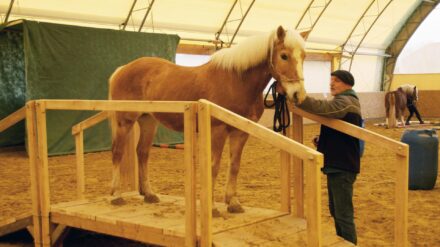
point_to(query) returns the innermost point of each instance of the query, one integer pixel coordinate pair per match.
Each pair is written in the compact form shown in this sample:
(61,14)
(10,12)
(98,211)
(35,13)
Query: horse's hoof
(216,213)
(235,207)
(118,201)
(152,198)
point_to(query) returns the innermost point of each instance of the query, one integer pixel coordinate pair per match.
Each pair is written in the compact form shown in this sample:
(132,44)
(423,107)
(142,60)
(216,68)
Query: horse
(412,96)
(233,78)
(395,104)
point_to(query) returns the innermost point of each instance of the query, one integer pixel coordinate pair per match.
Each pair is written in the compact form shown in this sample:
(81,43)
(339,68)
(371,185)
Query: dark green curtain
(70,62)
(12,84)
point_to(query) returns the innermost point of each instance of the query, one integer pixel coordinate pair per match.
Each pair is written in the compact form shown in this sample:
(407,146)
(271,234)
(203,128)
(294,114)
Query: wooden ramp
(15,224)
(164,223)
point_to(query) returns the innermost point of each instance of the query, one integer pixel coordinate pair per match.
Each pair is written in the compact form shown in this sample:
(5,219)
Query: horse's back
(131,81)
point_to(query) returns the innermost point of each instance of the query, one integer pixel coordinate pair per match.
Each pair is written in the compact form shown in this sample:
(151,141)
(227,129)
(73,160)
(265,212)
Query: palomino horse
(234,78)
(395,104)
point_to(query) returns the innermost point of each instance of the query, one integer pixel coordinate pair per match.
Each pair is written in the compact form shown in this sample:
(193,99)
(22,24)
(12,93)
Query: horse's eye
(284,56)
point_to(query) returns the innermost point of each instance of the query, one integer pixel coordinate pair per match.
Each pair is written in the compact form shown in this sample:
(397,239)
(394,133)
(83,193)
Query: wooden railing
(294,152)
(401,150)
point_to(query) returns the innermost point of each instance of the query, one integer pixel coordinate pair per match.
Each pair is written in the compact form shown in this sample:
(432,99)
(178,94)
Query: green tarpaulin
(70,62)
(12,84)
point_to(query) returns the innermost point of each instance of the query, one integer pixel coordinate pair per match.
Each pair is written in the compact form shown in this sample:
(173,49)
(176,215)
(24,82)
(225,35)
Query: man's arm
(338,107)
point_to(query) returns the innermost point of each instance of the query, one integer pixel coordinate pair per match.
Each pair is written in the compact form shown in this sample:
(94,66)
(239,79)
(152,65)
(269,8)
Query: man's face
(337,86)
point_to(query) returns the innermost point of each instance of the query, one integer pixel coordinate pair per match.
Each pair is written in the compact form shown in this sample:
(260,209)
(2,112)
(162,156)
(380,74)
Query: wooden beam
(261,132)
(401,197)
(313,201)
(298,168)
(80,180)
(358,132)
(116,105)
(13,118)
(43,172)
(89,122)
(14,224)
(208,49)
(59,234)
(204,120)
(35,177)
(319,56)
(190,137)
(194,49)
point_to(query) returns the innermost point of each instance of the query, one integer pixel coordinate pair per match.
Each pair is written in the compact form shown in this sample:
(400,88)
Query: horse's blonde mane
(253,51)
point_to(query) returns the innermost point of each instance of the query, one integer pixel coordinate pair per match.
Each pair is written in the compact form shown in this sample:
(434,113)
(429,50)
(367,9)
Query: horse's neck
(257,78)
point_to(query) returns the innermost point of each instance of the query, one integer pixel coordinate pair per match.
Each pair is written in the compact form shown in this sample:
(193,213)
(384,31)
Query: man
(341,151)
(411,98)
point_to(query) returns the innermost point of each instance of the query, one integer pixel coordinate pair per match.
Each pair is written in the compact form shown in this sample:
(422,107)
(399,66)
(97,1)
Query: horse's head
(286,62)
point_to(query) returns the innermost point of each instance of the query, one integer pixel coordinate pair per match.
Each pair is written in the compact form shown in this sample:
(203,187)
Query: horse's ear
(305,34)
(281,33)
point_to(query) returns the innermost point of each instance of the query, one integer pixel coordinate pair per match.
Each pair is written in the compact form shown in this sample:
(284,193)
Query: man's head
(341,80)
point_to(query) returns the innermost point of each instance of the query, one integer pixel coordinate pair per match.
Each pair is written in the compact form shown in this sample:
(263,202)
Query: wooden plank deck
(14,224)
(164,223)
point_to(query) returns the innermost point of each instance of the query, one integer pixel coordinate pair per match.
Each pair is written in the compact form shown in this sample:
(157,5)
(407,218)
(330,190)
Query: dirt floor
(259,186)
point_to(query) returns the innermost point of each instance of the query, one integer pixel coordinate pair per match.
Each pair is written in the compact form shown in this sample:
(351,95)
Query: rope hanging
(280,123)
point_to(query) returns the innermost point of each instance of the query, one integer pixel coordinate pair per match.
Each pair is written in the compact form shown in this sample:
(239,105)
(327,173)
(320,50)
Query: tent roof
(201,19)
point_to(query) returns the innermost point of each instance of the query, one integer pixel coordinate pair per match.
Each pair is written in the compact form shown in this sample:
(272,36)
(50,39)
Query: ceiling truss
(137,7)
(233,21)
(363,26)
(8,13)
(312,14)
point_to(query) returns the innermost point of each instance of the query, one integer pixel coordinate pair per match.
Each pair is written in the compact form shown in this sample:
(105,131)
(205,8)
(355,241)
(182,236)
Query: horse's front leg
(218,139)
(237,140)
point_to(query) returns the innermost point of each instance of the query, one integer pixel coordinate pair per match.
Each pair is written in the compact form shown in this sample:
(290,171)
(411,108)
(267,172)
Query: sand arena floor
(258,186)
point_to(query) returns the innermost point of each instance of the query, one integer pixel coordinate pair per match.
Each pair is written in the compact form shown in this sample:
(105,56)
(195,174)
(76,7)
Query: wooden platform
(165,223)
(14,224)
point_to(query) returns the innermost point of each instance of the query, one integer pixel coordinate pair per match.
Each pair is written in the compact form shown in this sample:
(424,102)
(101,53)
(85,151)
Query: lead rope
(281,109)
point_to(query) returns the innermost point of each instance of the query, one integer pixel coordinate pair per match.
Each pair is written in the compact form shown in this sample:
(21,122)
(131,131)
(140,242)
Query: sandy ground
(258,186)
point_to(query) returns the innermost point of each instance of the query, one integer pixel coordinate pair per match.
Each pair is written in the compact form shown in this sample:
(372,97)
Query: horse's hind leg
(237,140)
(148,126)
(123,124)
(218,137)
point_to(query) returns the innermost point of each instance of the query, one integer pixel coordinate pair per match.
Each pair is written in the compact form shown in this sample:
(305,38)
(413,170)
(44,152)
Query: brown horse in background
(395,104)
(234,78)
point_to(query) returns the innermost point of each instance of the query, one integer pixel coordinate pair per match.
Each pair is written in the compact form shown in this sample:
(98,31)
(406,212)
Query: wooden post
(43,172)
(286,161)
(204,119)
(401,211)
(190,175)
(79,147)
(297,165)
(313,186)
(33,163)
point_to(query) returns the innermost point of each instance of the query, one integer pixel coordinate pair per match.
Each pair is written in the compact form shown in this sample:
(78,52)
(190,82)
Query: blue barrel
(423,158)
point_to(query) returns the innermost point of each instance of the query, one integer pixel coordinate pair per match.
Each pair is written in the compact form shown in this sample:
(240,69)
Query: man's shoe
(407,123)
(421,122)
